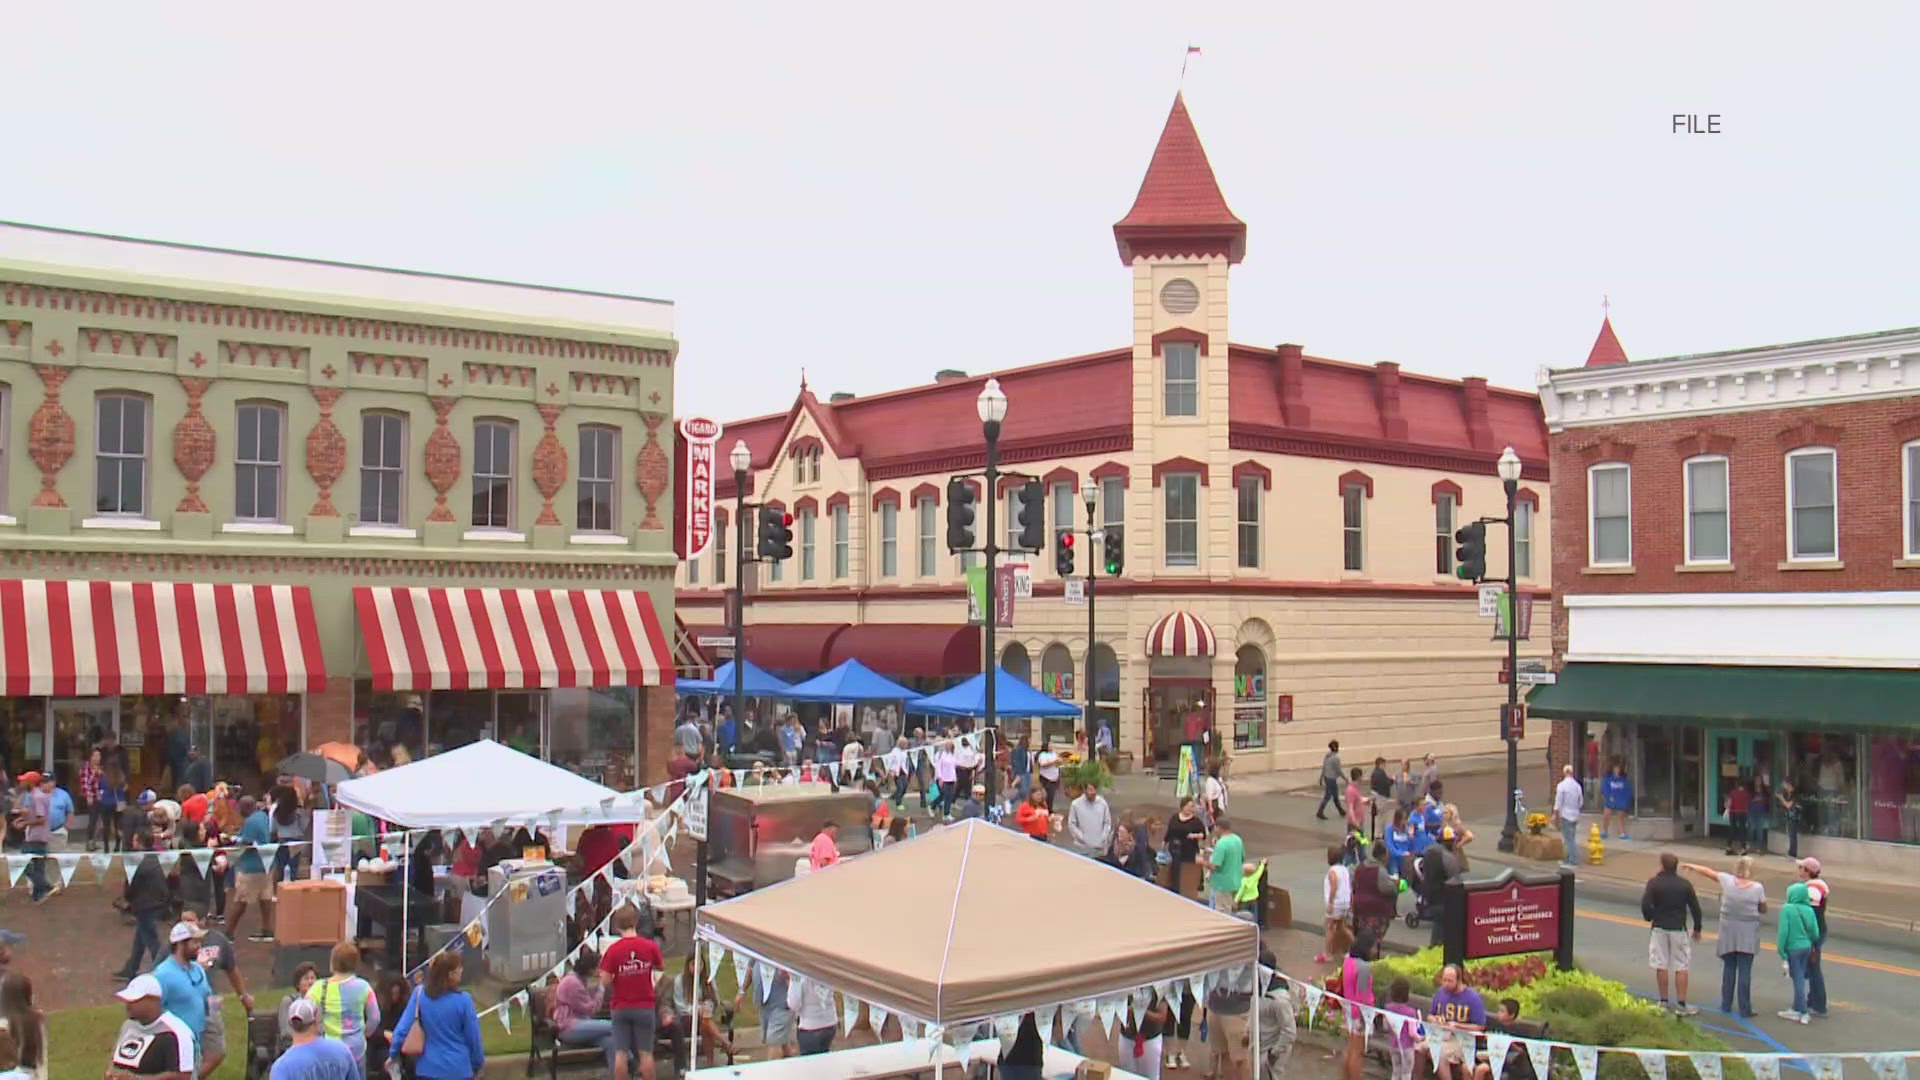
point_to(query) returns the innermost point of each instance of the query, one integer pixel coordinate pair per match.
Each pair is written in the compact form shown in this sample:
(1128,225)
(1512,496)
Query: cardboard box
(310,912)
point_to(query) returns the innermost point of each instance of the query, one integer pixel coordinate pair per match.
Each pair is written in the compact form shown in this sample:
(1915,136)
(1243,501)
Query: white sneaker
(1789,1014)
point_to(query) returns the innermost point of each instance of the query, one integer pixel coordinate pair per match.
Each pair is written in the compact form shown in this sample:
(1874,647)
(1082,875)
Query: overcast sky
(872,192)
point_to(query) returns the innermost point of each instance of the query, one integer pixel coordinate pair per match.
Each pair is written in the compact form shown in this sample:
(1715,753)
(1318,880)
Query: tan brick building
(1287,520)
(1737,594)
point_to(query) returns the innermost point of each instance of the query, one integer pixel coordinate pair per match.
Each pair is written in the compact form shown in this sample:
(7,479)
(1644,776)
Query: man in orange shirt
(824,852)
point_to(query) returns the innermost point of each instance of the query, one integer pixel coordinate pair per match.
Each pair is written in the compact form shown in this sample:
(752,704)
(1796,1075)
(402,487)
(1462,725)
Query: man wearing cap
(1817,894)
(152,1042)
(974,805)
(312,1056)
(184,986)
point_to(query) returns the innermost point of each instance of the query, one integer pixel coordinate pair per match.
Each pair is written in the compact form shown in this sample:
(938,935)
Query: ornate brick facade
(652,471)
(50,434)
(194,444)
(549,465)
(442,460)
(326,452)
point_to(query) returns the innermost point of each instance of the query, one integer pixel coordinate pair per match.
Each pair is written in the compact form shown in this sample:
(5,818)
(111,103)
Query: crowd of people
(1669,903)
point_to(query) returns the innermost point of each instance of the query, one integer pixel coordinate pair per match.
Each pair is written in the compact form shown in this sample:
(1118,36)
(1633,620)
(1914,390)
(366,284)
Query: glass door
(78,725)
(1735,758)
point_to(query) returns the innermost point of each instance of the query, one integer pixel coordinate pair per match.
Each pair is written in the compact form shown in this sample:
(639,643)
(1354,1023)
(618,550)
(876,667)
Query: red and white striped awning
(496,639)
(80,638)
(1180,634)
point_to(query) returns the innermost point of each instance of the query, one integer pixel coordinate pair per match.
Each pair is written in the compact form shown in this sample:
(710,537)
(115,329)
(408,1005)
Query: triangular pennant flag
(909,1028)
(498,825)
(1314,994)
(793,779)
(739,777)
(766,979)
(878,1016)
(1823,1067)
(1888,1066)
(1764,1066)
(553,820)
(169,858)
(1045,1017)
(739,968)
(833,772)
(849,1013)
(1707,1065)
(99,863)
(1109,1011)
(128,866)
(1587,1059)
(1540,1051)
(606,804)
(1653,1062)
(472,833)
(67,864)
(506,1018)
(1436,1043)
(1006,1027)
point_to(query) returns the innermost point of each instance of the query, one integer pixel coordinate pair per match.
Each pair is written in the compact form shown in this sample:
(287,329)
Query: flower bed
(1577,1006)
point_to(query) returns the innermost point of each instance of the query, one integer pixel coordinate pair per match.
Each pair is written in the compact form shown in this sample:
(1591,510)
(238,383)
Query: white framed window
(1443,528)
(889,540)
(1113,502)
(1180,372)
(720,551)
(1709,532)
(6,433)
(842,542)
(1063,517)
(693,571)
(1610,514)
(928,539)
(493,474)
(1813,508)
(595,511)
(383,468)
(1910,456)
(1181,514)
(1353,528)
(1011,519)
(809,522)
(120,448)
(258,459)
(1249,500)
(1523,539)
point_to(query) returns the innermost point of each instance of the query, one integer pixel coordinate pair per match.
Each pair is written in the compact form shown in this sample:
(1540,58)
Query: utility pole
(1088,492)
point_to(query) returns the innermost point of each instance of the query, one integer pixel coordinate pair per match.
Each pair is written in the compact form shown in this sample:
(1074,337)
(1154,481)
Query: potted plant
(1084,773)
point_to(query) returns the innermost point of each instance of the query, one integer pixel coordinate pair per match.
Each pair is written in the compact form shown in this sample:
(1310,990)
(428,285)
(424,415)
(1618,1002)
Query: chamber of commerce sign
(1508,914)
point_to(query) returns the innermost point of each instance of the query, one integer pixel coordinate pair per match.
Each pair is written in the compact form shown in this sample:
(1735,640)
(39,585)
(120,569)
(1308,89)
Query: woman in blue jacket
(452,1048)
(1399,842)
(1616,800)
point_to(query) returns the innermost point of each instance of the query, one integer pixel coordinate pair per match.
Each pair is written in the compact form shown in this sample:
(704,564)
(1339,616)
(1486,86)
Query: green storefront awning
(1727,695)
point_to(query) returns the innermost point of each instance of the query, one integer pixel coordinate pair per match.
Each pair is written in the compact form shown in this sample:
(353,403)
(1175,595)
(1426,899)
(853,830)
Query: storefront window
(1893,792)
(1017,663)
(390,726)
(1057,679)
(1652,771)
(1249,698)
(516,720)
(1176,713)
(1825,769)
(594,733)
(23,734)
(1606,743)
(249,734)
(458,717)
(155,729)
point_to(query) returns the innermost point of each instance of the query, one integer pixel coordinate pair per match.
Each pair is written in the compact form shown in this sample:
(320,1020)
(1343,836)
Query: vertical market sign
(702,436)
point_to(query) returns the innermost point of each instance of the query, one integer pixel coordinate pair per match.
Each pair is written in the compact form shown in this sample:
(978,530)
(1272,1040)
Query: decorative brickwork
(251,354)
(499,374)
(103,342)
(67,563)
(549,465)
(330,713)
(326,452)
(50,434)
(21,295)
(194,445)
(393,367)
(652,472)
(442,459)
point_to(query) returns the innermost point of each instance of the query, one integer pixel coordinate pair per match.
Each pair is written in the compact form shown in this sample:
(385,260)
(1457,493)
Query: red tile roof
(1606,348)
(1179,207)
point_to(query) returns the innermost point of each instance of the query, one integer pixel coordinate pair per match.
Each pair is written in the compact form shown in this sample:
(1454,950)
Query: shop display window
(391,726)
(595,733)
(1825,769)
(1893,788)
(1652,769)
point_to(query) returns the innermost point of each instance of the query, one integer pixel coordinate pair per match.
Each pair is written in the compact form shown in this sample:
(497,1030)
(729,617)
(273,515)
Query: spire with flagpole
(1192,51)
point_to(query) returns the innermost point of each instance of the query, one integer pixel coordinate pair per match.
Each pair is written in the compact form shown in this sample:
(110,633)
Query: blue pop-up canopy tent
(853,682)
(759,682)
(1011,697)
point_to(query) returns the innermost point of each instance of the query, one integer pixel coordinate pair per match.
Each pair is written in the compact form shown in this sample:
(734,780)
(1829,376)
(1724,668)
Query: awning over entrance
(1179,633)
(486,639)
(783,646)
(81,638)
(910,648)
(1726,694)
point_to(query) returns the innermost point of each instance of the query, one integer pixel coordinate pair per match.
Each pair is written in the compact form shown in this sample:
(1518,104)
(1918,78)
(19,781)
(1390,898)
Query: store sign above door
(702,436)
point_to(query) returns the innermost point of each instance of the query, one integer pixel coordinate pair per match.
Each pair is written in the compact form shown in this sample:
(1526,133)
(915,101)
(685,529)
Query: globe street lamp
(992,409)
(1089,492)
(1509,469)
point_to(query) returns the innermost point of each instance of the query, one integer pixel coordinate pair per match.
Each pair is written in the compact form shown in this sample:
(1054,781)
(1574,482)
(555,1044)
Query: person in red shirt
(602,844)
(1033,818)
(824,852)
(629,968)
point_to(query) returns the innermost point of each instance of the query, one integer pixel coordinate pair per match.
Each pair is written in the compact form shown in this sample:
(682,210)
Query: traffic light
(960,501)
(775,535)
(1113,544)
(1063,553)
(1033,513)
(1470,557)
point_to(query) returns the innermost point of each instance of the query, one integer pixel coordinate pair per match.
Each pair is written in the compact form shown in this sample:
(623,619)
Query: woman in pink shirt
(1356,803)
(824,852)
(576,1001)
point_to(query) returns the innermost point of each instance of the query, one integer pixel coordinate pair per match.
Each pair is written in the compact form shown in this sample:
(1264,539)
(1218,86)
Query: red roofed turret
(1180,210)
(1606,347)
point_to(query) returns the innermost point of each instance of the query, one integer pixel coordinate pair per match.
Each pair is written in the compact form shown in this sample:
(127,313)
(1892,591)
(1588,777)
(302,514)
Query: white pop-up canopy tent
(481,783)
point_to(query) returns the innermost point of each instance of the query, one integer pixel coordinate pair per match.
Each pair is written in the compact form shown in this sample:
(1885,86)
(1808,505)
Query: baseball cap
(1810,864)
(302,1014)
(147,797)
(30,777)
(142,986)
(184,931)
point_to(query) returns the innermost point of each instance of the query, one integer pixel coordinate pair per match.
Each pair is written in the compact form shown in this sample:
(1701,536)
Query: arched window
(1249,698)
(1056,672)
(1014,658)
(1106,674)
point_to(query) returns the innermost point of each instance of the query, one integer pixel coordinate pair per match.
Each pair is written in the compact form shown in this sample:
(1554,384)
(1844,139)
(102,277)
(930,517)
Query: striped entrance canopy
(495,639)
(80,638)
(1180,634)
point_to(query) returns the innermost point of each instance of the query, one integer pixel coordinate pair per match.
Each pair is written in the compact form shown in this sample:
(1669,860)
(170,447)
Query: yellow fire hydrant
(1596,847)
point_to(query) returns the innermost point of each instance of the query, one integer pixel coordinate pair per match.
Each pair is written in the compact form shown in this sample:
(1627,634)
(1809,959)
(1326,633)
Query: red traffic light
(786,519)
(1066,539)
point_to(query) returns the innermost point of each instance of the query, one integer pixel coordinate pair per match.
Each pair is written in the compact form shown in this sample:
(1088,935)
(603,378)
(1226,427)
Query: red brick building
(1738,574)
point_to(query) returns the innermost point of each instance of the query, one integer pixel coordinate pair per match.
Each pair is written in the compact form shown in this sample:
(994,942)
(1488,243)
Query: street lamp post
(742,461)
(1090,491)
(992,408)
(1509,469)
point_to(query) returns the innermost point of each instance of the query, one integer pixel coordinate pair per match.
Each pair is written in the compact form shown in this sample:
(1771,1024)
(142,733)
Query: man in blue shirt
(251,882)
(727,735)
(60,809)
(312,1056)
(184,986)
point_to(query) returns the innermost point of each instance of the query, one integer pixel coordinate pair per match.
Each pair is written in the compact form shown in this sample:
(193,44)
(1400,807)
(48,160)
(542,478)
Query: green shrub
(1563,1026)
(1582,1001)
(1618,1027)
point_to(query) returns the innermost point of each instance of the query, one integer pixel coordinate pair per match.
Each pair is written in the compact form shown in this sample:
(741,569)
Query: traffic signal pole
(1092,732)
(991,495)
(1510,830)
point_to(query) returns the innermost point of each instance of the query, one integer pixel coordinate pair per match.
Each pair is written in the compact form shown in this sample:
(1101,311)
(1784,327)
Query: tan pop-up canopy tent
(937,928)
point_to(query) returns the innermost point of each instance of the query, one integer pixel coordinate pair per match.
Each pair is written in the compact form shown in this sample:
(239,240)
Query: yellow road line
(1850,961)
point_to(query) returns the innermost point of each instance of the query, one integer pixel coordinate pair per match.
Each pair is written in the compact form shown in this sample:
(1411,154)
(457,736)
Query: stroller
(263,1045)
(1422,910)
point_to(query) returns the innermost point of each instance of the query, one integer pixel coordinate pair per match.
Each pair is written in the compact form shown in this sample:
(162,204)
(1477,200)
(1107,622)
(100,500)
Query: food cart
(757,832)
